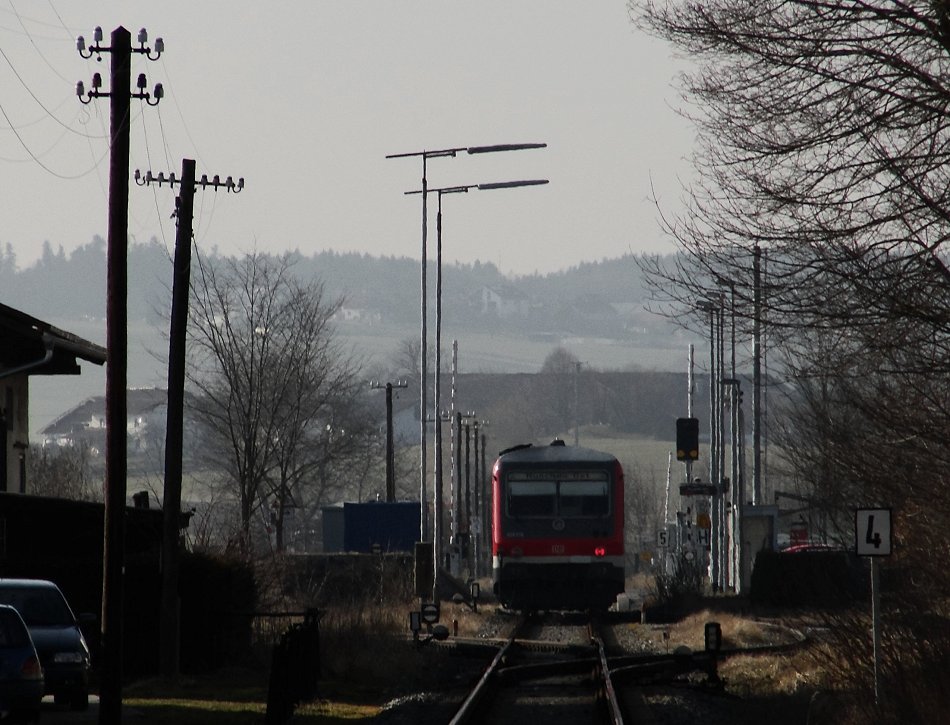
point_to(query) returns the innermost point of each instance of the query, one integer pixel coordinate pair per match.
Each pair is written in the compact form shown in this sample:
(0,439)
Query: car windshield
(12,631)
(39,607)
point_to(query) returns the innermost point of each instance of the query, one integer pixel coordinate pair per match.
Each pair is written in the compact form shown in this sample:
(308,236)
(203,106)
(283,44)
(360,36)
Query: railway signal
(687,439)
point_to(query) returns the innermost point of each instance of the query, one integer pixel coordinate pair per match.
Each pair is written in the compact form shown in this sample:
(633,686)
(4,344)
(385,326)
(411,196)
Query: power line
(29,90)
(33,41)
(148,156)
(36,158)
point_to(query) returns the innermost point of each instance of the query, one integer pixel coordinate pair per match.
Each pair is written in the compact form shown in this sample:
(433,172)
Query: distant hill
(603,298)
(504,323)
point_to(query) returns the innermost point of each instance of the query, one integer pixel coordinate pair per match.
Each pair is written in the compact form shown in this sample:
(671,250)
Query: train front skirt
(537,583)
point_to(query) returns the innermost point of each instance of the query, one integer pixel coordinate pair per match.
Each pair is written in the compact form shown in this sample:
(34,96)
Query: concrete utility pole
(170,628)
(113,564)
(390,451)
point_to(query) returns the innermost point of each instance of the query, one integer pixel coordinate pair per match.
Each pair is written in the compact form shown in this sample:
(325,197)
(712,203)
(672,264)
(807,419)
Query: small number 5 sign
(872,532)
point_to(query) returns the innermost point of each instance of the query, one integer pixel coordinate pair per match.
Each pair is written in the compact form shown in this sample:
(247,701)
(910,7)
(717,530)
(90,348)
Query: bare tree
(65,472)
(823,146)
(267,373)
(408,356)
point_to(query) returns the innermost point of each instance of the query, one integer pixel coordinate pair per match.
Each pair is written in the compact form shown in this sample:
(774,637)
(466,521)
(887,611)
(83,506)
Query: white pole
(876,627)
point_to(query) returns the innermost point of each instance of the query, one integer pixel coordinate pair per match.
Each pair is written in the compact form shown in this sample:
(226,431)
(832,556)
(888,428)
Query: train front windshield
(562,494)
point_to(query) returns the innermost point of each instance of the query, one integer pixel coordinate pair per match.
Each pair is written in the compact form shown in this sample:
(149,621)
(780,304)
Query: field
(375,346)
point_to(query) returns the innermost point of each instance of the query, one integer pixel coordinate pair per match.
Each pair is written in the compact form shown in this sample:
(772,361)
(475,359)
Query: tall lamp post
(437,402)
(423,398)
(714,310)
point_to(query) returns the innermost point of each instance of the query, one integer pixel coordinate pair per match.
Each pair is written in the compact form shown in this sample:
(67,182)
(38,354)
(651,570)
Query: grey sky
(305,98)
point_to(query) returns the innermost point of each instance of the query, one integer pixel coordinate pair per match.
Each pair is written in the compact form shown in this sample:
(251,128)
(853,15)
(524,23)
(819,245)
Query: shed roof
(33,347)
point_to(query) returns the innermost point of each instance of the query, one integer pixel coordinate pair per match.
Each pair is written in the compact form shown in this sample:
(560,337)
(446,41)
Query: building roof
(33,347)
(139,401)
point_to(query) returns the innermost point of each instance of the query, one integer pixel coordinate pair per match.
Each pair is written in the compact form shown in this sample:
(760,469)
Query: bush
(807,579)
(676,591)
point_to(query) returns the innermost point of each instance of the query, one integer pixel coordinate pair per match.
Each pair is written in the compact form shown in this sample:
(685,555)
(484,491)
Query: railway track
(552,669)
(559,668)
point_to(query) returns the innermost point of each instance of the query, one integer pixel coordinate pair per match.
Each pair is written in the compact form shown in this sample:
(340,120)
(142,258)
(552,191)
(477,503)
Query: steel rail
(469,706)
(615,713)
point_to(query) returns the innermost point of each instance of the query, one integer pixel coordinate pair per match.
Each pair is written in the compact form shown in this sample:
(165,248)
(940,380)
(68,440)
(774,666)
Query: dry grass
(737,631)
(767,674)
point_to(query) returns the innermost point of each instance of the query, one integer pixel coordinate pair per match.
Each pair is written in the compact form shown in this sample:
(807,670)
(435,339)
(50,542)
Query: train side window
(531,499)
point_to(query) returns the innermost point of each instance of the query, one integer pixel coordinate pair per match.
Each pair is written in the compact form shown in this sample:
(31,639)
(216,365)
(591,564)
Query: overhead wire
(198,224)
(84,110)
(154,189)
(37,159)
(35,155)
(33,41)
(82,117)
(26,85)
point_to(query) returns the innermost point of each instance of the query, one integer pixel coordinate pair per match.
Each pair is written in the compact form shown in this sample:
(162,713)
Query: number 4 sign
(872,532)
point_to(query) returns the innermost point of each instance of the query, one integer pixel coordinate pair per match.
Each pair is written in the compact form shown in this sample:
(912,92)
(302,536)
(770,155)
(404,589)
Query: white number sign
(872,532)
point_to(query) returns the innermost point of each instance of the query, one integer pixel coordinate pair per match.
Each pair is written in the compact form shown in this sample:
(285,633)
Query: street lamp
(425,156)
(437,403)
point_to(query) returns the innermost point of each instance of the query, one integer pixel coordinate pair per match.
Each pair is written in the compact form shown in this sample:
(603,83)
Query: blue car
(21,676)
(59,642)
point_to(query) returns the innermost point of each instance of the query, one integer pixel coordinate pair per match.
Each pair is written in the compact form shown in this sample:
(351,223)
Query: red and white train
(557,528)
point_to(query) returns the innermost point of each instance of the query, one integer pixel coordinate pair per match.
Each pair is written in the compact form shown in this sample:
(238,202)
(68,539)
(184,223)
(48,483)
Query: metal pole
(468,493)
(437,402)
(740,485)
(455,479)
(722,445)
(423,368)
(713,452)
(577,418)
(690,390)
(477,528)
(462,511)
(486,500)
(734,434)
(876,626)
(757,376)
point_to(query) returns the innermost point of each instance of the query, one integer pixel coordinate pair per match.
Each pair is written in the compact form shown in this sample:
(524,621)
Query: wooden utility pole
(113,558)
(170,626)
(390,450)
(113,565)
(170,641)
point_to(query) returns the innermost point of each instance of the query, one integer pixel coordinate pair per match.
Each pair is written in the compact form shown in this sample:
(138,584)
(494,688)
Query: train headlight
(600,551)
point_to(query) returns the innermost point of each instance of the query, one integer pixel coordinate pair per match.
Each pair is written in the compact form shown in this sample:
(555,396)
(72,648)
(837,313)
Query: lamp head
(504,147)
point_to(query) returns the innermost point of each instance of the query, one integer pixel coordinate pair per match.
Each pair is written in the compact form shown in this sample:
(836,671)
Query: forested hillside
(583,299)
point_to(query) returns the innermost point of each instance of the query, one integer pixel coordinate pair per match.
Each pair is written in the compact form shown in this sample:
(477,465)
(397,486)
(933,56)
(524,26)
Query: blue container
(372,527)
